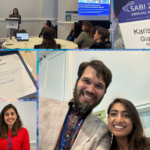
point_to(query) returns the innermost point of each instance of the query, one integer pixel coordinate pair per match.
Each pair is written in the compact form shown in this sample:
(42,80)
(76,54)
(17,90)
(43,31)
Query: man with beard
(71,125)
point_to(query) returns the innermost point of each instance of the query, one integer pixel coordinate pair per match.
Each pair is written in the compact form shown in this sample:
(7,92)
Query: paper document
(15,81)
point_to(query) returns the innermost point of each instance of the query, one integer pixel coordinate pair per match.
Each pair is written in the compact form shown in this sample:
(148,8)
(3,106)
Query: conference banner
(134,21)
(101,115)
(72,16)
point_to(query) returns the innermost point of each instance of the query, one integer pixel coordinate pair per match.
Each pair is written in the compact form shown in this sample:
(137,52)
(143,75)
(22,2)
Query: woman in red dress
(12,135)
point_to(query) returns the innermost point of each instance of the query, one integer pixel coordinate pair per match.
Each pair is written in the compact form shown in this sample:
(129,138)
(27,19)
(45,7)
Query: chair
(55,29)
(108,46)
(58,46)
(18,31)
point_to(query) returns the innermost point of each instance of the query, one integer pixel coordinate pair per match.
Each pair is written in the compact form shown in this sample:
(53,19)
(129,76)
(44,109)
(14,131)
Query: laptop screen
(22,37)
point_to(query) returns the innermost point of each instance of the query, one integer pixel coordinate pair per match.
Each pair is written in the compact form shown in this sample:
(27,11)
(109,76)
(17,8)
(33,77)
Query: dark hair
(17,11)
(104,33)
(76,32)
(88,28)
(3,125)
(48,38)
(136,138)
(95,28)
(100,68)
(77,27)
(49,23)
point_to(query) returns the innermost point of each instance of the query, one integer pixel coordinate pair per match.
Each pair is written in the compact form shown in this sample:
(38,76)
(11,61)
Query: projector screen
(93,9)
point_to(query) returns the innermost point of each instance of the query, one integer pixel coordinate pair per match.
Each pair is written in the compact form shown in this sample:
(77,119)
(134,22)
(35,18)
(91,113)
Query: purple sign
(132,10)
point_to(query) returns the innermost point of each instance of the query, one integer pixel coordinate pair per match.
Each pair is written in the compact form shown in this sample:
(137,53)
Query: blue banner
(129,11)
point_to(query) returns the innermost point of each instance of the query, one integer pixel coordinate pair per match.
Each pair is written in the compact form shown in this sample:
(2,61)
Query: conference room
(53,24)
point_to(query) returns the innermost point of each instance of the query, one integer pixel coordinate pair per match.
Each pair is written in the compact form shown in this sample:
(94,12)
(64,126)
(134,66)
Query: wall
(54,74)
(27,112)
(50,10)
(64,27)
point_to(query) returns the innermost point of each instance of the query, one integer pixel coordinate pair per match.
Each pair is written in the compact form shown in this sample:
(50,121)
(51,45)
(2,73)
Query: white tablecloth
(35,41)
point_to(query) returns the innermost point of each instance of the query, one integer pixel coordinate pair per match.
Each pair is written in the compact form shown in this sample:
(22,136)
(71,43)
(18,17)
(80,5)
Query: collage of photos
(75,75)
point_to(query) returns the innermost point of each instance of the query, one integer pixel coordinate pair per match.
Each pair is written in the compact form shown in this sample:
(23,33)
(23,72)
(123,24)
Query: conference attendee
(85,39)
(71,125)
(47,24)
(75,31)
(48,40)
(126,128)
(12,135)
(101,37)
(95,28)
(16,13)
(118,39)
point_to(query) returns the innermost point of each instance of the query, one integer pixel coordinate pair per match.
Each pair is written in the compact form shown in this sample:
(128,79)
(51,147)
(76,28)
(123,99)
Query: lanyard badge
(9,143)
(63,143)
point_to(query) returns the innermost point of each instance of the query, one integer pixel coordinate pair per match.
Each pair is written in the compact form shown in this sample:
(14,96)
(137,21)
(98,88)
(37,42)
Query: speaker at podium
(12,23)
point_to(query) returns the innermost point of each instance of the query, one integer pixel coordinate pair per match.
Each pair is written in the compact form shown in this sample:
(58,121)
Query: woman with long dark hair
(47,24)
(75,31)
(85,39)
(48,40)
(16,13)
(12,134)
(126,128)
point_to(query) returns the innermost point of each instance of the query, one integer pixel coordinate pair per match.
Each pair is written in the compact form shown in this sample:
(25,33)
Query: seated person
(85,39)
(100,36)
(48,40)
(46,24)
(75,31)
(95,28)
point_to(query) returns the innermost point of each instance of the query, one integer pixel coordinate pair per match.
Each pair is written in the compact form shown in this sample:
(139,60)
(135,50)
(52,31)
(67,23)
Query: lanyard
(63,143)
(9,144)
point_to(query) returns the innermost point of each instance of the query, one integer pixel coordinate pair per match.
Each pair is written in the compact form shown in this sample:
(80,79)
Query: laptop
(22,36)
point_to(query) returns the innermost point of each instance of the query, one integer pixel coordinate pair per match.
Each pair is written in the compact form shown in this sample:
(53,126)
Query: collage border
(37,62)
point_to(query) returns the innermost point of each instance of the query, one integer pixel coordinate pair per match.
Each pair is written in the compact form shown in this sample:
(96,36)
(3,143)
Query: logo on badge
(125,8)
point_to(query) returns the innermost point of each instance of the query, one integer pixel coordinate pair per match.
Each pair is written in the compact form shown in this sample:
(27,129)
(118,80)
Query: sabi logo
(125,8)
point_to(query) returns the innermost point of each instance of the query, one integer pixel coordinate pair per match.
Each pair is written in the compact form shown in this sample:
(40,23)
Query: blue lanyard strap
(9,144)
(63,143)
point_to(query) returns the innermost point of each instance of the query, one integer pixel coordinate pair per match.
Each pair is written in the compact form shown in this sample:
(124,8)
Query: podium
(11,25)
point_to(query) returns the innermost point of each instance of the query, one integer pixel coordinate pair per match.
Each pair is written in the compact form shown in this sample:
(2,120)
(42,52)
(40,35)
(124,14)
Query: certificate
(15,81)
(134,21)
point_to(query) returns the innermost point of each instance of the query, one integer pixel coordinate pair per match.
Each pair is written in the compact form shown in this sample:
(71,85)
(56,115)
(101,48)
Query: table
(35,41)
